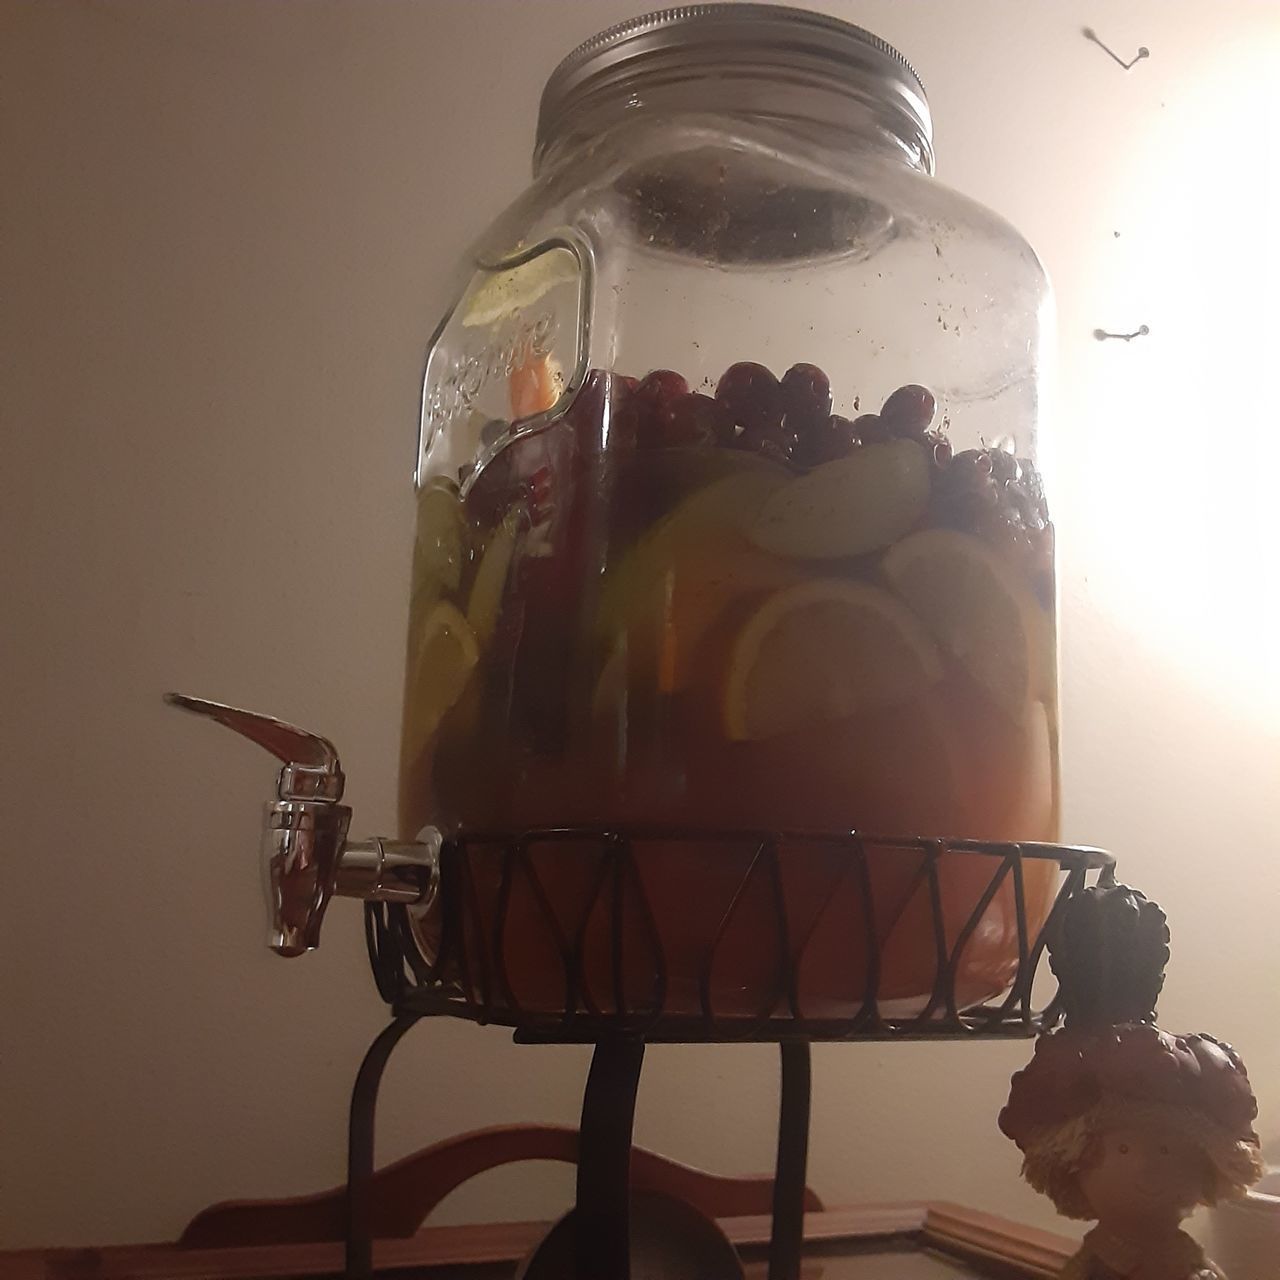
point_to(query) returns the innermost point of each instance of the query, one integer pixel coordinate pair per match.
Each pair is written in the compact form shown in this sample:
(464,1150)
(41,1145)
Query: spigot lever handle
(311,770)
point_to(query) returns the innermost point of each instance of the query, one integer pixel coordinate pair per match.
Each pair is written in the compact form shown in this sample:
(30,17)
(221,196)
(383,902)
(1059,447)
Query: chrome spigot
(306,856)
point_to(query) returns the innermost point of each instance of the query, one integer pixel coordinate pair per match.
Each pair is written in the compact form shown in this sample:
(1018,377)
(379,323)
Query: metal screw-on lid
(768,37)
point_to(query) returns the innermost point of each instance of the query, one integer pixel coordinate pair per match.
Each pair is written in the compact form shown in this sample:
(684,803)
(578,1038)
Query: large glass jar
(730,516)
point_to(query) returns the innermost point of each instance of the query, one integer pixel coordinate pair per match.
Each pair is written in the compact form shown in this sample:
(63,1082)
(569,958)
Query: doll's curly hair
(1079,1084)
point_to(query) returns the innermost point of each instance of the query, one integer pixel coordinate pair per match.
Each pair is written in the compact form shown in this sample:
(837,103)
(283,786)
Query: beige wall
(225,228)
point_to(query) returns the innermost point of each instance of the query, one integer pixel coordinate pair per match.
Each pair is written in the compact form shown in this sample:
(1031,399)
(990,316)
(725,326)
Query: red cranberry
(587,404)
(833,438)
(1033,487)
(909,410)
(1026,505)
(541,495)
(696,419)
(752,395)
(776,445)
(808,449)
(503,480)
(843,435)
(872,429)
(1004,466)
(626,384)
(493,431)
(940,451)
(806,397)
(629,426)
(972,468)
(662,386)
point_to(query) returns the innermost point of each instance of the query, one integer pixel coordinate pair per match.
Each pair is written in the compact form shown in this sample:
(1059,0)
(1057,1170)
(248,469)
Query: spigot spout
(305,829)
(306,857)
(302,844)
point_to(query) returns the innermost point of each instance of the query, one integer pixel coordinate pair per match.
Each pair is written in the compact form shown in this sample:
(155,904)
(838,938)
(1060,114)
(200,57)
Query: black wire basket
(683,935)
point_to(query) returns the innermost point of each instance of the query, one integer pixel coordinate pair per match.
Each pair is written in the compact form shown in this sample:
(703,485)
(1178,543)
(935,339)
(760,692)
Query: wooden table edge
(950,1228)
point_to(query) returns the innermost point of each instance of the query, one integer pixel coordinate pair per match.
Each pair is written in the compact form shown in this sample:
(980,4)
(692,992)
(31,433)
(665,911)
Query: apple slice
(847,507)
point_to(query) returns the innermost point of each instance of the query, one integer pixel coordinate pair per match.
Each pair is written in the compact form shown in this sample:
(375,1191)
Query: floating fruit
(498,295)
(724,505)
(979,610)
(822,651)
(535,386)
(847,507)
(440,546)
(752,395)
(806,397)
(442,655)
(669,622)
(695,419)
(661,387)
(909,410)
(485,601)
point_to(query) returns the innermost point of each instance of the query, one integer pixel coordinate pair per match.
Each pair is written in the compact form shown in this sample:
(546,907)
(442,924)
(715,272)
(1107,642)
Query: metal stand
(787,1240)
(472,952)
(360,1138)
(602,1214)
(602,1231)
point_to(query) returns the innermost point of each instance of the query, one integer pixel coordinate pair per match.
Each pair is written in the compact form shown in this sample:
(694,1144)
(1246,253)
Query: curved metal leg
(787,1239)
(602,1234)
(360,1135)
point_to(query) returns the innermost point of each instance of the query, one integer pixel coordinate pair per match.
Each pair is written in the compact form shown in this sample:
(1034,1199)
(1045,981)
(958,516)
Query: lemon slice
(979,610)
(496,295)
(847,507)
(823,651)
(442,655)
(485,600)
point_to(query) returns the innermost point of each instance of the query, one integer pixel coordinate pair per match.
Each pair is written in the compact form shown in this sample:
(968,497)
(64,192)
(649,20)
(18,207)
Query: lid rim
(788,35)
(661,19)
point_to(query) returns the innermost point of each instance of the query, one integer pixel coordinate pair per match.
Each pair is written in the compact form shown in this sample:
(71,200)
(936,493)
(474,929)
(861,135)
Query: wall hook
(1143,52)
(1140,332)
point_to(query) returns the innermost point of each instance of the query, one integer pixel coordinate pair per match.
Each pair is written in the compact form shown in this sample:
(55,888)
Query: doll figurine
(1123,1123)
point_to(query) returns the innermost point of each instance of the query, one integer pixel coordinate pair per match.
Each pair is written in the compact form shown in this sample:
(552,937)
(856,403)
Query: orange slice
(822,651)
(535,386)
(978,609)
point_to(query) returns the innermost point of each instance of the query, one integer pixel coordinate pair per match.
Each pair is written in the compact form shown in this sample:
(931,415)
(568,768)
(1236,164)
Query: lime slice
(978,609)
(847,507)
(485,601)
(442,655)
(441,536)
(823,651)
(440,549)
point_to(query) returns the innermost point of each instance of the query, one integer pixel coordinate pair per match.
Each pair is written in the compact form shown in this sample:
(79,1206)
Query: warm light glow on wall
(1178,524)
